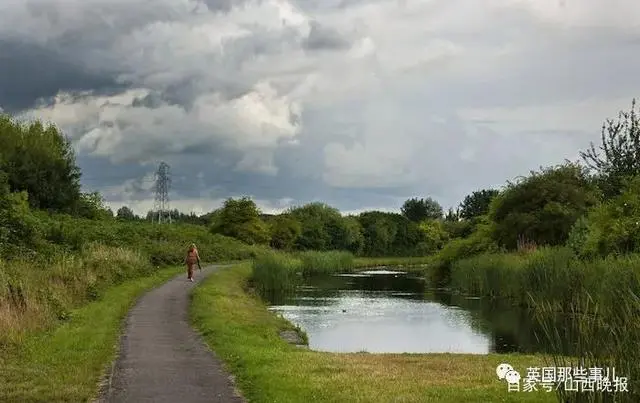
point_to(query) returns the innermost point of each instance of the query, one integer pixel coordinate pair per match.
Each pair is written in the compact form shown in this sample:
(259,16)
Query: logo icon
(506,372)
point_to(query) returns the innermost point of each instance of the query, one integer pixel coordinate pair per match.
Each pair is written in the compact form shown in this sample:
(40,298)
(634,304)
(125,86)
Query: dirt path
(162,359)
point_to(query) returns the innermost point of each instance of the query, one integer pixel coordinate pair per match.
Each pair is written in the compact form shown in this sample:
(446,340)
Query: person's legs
(189,270)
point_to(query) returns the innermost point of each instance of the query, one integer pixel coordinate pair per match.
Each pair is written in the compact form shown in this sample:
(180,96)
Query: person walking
(191,259)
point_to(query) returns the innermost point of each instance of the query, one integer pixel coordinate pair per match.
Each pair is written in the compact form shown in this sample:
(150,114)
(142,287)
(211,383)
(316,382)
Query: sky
(360,104)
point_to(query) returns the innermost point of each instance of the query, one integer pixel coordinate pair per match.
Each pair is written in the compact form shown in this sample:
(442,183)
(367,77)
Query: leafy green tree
(542,207)
(322,227)
(40,160)
(611,228)
(379,231)
(92,206)
(459,229)
(452,215)
(618,156)
(418,210)
(434,236)
(18,227)
(351,237)
(240,219)
(125,214)
(285,231)
(477,203)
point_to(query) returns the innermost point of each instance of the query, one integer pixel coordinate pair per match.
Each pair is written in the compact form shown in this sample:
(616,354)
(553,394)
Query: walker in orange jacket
(191,259)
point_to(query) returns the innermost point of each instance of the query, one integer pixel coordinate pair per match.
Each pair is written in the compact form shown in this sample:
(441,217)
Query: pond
(384,311)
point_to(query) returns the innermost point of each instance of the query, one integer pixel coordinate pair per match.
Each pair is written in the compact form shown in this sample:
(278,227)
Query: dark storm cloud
(324,38)
(29,72)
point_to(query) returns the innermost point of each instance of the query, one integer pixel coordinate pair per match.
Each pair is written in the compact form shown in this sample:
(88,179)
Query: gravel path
(162,359)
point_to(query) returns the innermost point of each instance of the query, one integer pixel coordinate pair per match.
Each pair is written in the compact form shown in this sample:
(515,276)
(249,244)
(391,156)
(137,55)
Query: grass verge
(236,324)
(65,364)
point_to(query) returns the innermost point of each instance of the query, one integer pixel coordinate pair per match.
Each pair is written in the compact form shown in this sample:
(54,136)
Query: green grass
(236,324)
(326,262)
(593,303)
(66,363)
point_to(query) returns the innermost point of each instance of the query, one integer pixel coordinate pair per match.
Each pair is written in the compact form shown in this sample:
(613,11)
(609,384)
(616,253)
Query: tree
(542,207)
(612,227)
(92,206)
(18,227)
(322,226)
(418,210)
(379,231)
(477,203)
(285,231)
(240,219)
(434,236)
(125,214)
(40,160)
(452,216)
(350,237)
(618,156)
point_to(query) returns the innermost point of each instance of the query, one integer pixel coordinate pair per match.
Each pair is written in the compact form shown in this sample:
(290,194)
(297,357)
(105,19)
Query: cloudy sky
(358,103)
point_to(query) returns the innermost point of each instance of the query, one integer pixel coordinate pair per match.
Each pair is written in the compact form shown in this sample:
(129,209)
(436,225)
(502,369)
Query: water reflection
(396,312)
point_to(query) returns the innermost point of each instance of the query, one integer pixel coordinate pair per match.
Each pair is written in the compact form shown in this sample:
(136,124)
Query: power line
(163,184)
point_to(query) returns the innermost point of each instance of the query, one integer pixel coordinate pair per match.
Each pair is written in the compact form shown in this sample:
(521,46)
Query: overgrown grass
(276,272)
(66,363)
(280,272)
(237,325)
(598,299)
(163,244)
(598,340)
(553,275)
(35,295)
(326,262)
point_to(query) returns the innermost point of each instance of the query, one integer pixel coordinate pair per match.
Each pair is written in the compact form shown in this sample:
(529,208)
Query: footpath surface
(161,358)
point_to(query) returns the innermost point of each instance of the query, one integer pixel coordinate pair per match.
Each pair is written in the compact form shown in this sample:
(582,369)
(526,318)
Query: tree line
(592,204)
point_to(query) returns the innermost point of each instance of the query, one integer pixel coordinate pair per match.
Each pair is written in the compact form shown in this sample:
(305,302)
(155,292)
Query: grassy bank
(62,296)
(237,325)
(36,294)
(585,308)
(66,363)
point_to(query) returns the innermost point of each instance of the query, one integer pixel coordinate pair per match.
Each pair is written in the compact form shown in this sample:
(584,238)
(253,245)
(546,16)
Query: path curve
(161,358)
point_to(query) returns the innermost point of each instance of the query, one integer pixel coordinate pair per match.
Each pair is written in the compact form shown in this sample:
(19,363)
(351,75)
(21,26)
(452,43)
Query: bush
(275,272)
(326,262)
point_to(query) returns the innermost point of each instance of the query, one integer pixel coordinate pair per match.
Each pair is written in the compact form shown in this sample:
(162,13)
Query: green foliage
(40,161)
(240,219)
(92,206)
(543,206)
(321,226)
(434,236)
(352,236)
(417,210)
(285,231)
(459,229)
(477,203)
(326,262)
(480,241)
(275,272)
(126,214)
(618,156)
(611,228)
(389,234)
(598,301)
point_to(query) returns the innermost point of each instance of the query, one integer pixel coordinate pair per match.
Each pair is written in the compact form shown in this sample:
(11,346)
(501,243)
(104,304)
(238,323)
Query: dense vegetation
(561,240)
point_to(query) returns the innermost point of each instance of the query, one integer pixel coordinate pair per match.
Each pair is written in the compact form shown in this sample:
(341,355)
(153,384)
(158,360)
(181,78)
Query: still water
(393,312)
